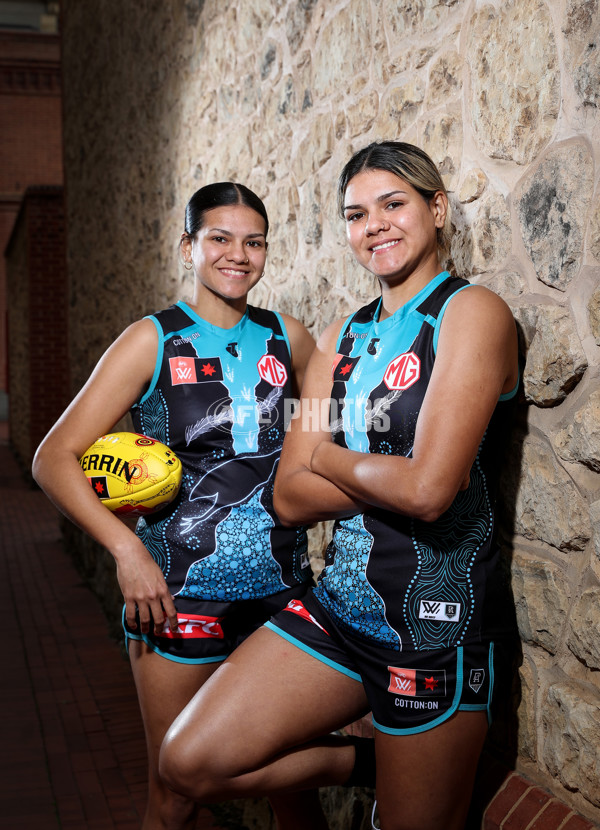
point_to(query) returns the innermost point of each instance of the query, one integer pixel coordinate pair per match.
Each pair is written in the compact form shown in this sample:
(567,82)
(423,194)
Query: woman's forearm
(304,497)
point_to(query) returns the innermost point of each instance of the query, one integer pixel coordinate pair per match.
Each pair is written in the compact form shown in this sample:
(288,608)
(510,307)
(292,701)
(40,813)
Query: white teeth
(384,245)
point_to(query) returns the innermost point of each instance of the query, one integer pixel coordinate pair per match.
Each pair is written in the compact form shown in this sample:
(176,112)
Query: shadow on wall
(501,748)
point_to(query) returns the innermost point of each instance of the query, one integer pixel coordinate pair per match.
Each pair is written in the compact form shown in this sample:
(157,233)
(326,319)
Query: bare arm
(301,494)
(302,345)
(476,361)
(115,384)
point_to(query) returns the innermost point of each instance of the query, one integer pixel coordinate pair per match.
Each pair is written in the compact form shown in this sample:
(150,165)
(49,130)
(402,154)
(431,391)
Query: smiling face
(228,254)
(391,228)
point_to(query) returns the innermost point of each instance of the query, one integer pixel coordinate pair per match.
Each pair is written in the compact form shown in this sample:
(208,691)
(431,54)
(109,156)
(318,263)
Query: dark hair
(406,161)
(217,195)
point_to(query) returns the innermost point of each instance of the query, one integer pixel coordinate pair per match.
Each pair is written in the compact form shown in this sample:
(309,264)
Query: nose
(375,223)
(237,252)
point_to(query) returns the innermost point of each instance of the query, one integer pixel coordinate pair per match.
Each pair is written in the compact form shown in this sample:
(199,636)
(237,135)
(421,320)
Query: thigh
(425,780)
(268,697)
(164,688)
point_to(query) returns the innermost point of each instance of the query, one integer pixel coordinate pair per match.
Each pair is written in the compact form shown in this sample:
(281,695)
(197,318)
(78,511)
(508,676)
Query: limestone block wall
(504,95)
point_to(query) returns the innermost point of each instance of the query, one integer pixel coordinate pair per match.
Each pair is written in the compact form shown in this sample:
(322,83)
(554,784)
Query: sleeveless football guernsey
(404,583)
(218,398)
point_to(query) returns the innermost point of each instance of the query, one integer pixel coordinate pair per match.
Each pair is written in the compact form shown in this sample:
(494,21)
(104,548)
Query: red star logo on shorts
(345,369)
(431,683)
(208,369)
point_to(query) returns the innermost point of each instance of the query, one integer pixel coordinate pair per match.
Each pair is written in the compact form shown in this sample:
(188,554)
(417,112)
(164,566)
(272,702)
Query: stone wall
(162,98)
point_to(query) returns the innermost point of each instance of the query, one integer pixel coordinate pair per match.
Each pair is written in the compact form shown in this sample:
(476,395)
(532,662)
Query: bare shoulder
(327,342)
(294,328)
(478,296)
(142,332)
(477,305)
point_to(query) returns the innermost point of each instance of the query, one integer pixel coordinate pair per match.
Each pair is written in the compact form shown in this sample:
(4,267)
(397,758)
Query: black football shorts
(408,691)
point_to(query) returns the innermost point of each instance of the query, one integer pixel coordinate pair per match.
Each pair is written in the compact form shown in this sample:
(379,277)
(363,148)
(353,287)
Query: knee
(182,770)
(200,771)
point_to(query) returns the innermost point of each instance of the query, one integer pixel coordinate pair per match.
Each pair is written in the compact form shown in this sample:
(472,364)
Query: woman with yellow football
(212,379)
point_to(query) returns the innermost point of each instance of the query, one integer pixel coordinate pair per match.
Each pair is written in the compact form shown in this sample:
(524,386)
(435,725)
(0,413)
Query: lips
(384,246)
(232,272)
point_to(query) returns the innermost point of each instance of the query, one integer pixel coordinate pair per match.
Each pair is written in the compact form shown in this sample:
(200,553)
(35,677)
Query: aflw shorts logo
(194,627)
(441,611)
(194,369)
(417,683)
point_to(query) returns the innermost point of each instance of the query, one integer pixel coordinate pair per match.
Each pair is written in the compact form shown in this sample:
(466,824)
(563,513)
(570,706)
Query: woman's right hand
(118,381)
(144,589)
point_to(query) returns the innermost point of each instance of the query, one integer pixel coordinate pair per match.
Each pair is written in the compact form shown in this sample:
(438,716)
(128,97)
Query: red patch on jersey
(343,366)
(402,371)
(183,370)
(272,370)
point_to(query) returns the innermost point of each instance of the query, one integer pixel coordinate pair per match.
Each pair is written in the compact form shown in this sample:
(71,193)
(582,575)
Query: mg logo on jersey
(272,370)
(403,371)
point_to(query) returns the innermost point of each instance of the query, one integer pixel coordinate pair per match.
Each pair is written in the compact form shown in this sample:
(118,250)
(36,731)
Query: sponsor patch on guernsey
(438,610)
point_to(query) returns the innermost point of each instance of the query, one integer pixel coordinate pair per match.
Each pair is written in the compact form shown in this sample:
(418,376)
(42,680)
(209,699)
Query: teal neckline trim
(411,304)
(210,327)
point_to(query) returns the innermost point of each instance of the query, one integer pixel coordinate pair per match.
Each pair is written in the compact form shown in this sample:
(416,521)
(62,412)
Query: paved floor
(72,754)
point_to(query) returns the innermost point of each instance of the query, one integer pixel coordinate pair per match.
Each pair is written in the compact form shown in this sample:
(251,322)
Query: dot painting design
(348,587)
(241,565)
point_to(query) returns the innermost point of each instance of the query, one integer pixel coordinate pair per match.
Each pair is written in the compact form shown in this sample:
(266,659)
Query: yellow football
(132,474)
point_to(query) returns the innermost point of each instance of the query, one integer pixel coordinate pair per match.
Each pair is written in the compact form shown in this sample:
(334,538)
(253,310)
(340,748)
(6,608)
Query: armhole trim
(438,322)
(283,332)
(508,395)
(159,356)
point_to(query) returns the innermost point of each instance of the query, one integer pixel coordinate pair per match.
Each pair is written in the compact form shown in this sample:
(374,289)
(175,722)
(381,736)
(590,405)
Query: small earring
(188,265)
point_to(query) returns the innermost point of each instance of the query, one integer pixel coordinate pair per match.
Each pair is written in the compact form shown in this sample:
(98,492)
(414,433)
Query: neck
(224,313)
(396,294)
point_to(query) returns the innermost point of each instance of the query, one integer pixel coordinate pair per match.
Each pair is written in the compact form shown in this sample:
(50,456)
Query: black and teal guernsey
(219,399)
(404,583)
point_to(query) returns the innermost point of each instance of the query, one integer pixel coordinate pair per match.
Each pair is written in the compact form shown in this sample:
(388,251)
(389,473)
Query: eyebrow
(230,233)
(381,198)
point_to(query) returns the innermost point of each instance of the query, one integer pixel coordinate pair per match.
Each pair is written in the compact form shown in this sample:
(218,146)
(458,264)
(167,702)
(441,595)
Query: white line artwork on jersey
(245,475)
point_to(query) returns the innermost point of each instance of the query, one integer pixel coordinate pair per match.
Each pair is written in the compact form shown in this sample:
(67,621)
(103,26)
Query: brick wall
(31,134)
(37,293)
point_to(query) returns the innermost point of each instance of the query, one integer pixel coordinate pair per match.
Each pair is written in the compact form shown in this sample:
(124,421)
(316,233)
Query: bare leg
(255,727)
(425,781)
(297,811)
(164,688)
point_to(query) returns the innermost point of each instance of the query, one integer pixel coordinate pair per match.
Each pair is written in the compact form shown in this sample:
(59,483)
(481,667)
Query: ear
(439,208)
(185,247)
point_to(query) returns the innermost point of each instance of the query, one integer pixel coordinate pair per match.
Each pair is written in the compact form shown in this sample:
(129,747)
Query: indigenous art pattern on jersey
(219,399)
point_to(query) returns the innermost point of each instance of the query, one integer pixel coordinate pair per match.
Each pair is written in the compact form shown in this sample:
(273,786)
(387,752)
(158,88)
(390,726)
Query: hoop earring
(188,265)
